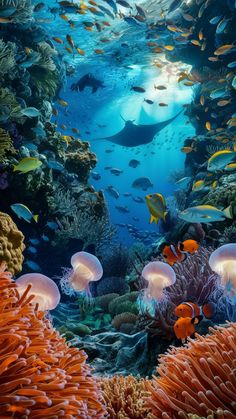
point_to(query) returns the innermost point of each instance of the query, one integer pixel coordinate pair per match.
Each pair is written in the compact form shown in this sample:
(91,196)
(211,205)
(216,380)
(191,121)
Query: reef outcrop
(11,244)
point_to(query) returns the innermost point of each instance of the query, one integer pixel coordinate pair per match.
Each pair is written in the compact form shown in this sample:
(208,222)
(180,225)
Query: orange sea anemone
(40,375)
(197,379)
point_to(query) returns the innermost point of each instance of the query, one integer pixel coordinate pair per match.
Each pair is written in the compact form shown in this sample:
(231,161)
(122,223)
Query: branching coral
(124,397)
(7,57)
(9,107)
(197,378)
(6,145)
(11,244)
(40,375)
(23,10)
(86,227)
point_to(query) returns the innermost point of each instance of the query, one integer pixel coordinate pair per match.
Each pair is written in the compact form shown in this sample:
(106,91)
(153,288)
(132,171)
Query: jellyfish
(86,269)
(223,262)
(45,291)
(159,275)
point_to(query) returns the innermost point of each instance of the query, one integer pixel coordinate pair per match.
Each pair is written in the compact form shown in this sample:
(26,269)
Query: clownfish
(185,327)
(190,246)
(189,309)
(172,254)
(179,252)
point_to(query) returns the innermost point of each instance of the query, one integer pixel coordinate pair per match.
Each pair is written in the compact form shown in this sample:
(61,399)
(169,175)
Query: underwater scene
(118,209)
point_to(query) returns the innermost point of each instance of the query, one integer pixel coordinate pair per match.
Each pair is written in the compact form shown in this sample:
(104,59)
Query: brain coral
(11,244)
(198,378)
(124,397)
(40,375)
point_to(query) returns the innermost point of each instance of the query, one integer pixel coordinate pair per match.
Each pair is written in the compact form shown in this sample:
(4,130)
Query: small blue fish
(222,25)
(215,20)
(232,64)
(31,112)
(22,211)
(32,249)
(55,165)
(32,265)
(45,238)
(52,225)
(31,146)
(35,242)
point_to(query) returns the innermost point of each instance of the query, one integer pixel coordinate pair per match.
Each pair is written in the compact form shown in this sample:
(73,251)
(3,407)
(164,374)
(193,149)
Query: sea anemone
(45,291)
(40,375)
(124,397)
(197,378)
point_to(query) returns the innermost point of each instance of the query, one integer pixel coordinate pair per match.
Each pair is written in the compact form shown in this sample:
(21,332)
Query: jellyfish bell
(45,291)
(159,275)
(223,262)
(86,268)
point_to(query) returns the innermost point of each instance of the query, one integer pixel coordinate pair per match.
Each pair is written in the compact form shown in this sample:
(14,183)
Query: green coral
(105,300)
(79,329)
(124,318)
(45,81)
(124,303)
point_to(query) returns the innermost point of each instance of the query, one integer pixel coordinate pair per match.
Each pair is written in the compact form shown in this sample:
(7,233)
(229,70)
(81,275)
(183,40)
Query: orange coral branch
(40,375)
(197,378)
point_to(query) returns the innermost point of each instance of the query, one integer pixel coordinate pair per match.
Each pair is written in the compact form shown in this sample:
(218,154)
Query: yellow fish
(198,185)
(224,49)
(62,102)
(157,207)
(27,164)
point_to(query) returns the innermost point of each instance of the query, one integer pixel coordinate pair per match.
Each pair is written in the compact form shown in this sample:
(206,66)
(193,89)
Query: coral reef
(124,397)
(41,376)
(80,160)
(11,244)
(197,378)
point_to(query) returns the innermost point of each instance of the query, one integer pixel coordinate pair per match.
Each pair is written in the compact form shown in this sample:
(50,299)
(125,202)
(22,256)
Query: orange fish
(70,41)
(173,255)
(189,309)
(190,246)
(185,327)
(64,17)
(80,51)
(75,130)
(54,111)
(99,51)
(58,40)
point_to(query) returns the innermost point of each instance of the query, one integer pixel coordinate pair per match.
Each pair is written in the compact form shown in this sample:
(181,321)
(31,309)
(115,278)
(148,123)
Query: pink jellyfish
(223,262)
(45,290)
(159,275)
(86,268)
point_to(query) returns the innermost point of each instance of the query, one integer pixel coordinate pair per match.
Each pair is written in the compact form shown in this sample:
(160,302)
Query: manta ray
(133,135)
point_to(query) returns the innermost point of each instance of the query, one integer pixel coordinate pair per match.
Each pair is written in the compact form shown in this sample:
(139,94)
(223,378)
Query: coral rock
(197,378)
(40,375)
(123,318)
(11,244)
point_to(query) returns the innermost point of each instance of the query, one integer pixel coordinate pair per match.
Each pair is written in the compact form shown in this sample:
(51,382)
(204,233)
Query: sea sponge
(124,397)
(11,244)
(123,318)
(197,378)
(40,375)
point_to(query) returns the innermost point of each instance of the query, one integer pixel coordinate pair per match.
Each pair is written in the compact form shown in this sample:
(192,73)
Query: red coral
(40,375)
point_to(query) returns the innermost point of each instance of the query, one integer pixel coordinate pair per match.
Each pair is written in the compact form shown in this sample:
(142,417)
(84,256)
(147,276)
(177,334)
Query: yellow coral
(11,244)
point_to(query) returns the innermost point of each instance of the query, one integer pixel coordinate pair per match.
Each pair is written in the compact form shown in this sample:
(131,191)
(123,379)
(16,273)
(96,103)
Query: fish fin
(14,168)
(36,217)
(228,212)
(153,219)
(165,214)
(196,319)
(181,246)
(185,254)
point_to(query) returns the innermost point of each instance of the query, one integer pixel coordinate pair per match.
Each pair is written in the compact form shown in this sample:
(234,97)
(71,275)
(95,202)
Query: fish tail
(36,217)
(165,215)
(228,212)
(14,168)
(153,219)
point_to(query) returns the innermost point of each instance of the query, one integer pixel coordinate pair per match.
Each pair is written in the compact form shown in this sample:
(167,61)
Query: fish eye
(165,256)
